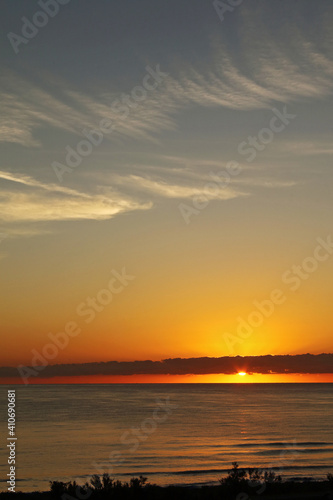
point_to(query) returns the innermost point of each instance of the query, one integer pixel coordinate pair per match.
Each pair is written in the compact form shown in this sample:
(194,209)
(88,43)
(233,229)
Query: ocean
(171,433)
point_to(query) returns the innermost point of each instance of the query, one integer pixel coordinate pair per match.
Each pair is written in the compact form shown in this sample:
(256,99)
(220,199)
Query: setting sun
(166,250)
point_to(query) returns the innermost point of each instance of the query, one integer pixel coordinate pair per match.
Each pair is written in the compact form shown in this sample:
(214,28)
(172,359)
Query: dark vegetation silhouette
(239,484)
(98,487)
(247,480)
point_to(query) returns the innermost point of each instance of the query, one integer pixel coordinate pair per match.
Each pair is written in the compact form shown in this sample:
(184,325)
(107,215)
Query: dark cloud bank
(303,363)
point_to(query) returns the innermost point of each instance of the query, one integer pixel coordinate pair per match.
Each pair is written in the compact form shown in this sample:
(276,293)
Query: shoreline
(320,490)
(221,475)
(175,484)
(239,484)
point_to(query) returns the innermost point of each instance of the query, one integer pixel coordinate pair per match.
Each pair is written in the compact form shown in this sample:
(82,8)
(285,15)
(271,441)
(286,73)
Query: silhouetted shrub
(98,487)
(96,482)
(236,479)
(58,488)
(242,480)
(138,482)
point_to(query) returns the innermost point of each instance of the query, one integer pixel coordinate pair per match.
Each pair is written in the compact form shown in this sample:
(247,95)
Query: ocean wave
(194,472)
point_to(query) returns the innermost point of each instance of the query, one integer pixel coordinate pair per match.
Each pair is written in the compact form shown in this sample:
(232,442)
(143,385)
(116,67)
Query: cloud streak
(165,189)
(50,202)
(270,72)
(285,364)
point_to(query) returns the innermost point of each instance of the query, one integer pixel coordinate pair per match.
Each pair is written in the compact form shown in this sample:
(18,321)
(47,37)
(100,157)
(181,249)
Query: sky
(166,180)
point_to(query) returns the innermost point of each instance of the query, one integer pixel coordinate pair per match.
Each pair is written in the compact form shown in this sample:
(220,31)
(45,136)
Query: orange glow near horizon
(255,378)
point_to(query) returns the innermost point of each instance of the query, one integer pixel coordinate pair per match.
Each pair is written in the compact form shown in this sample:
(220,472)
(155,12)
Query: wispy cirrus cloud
(274,76)
(269,71)
(39,202)
(27,106)
(170,176)
(305,148)
(163,188)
